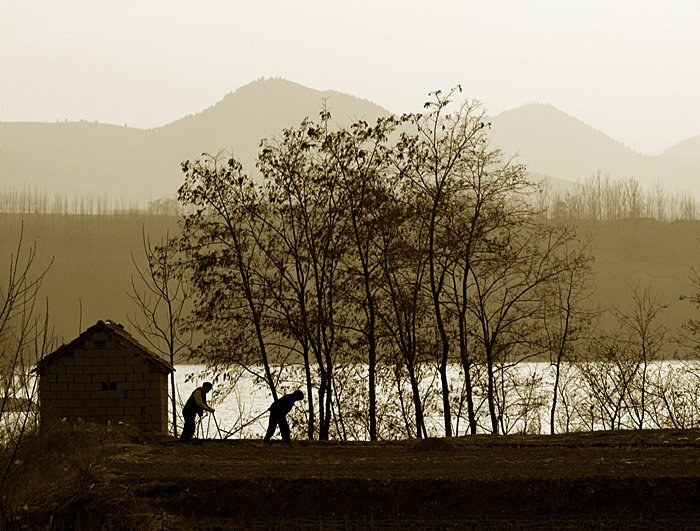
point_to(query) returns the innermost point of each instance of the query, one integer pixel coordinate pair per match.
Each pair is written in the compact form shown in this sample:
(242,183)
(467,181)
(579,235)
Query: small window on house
(104,386)
(101,343)
(112,386)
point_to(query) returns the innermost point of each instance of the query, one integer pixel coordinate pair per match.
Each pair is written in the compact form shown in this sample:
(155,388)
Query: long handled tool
(233,432)
(216,423)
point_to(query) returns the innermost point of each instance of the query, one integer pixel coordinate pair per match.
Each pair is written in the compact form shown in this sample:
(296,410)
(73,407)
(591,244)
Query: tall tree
(219,242)
(404,313)
(489,200)
(438,148)
(523,258)
(360,161)
(303,187)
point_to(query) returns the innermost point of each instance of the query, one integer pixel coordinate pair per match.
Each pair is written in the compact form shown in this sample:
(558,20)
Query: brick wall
(104,378)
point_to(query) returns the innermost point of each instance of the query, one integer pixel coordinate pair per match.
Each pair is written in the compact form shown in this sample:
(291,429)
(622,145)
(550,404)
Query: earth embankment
(640,479)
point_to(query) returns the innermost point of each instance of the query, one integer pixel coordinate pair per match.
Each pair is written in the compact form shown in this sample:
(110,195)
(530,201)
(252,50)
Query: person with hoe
(196,405)
(278,414)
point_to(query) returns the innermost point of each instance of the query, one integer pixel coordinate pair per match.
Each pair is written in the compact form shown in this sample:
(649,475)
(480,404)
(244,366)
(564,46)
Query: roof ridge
(117,329)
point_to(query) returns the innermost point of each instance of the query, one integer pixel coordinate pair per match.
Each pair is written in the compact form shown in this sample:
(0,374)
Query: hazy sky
(628,68)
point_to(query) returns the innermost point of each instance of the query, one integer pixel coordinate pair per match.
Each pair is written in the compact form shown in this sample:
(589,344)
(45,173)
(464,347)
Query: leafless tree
(161,294)
(24,339)
(566,312)
(645,340)
(508,283)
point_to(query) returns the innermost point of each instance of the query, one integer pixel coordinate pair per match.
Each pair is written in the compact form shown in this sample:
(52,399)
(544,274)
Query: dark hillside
(92,261)
(645,253)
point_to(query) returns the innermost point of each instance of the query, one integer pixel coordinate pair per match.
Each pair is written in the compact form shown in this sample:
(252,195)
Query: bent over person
(278,414)
(196,405)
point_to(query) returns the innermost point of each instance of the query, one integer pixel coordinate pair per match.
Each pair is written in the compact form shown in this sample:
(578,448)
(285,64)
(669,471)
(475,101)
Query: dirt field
(610,480)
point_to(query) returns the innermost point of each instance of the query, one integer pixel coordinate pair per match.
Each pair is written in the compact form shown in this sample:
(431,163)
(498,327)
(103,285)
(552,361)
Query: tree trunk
(417,404)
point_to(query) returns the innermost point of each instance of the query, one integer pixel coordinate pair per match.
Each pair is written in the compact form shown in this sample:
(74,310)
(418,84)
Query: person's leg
(284,428)
(271,427)
(189,427)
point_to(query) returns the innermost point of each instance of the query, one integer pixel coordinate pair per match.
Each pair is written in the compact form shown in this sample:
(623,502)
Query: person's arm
(200,402)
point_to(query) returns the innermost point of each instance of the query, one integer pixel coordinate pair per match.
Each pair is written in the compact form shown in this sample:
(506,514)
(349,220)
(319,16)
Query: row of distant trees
(602,198)
(596,198)
(35,200)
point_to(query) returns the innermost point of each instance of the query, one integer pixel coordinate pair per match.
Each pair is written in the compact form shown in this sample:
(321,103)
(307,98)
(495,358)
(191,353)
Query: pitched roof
(114,328)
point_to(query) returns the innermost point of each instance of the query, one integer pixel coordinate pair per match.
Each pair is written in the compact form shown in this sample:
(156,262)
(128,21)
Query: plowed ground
(611,480)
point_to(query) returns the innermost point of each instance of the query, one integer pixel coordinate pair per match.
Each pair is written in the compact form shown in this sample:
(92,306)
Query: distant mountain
(555,144)
(82,157)
(688,150)
(259,110)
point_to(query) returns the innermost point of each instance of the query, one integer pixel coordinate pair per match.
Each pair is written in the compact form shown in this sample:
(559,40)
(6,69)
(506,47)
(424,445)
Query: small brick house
(105,375)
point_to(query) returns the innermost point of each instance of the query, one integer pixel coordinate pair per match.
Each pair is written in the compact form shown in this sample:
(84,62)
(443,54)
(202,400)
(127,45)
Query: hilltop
(120,161)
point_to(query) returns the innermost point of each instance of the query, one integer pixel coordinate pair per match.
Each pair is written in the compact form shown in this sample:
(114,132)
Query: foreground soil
(632,479)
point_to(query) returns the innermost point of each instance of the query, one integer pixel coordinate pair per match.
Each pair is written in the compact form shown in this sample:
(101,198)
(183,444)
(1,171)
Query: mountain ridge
(75,157)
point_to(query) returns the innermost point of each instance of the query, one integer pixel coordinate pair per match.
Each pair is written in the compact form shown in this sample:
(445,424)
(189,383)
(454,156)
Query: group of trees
(404,250)
(599,198)
(35,200)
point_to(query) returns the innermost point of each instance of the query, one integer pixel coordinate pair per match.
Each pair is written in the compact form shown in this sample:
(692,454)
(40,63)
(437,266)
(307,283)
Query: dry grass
(56,464)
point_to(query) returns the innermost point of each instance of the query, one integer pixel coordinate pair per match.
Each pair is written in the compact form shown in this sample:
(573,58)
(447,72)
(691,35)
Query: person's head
(206,387)
(298,395)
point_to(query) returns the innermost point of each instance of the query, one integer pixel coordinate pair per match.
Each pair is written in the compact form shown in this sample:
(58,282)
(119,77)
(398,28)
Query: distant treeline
(596,198)
(600,198)
(35,200)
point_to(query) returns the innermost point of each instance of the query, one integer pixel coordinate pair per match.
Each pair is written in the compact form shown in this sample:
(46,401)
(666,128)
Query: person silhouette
(196,405)
(278,414)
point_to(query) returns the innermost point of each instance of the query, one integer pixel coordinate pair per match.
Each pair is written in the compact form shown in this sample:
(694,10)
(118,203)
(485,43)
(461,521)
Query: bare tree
(306,200)
(645,339)
(565,314)
(360,162)
(161,295)
(24,339)
(405,310)
(441,158)
(604,379)
(505,300)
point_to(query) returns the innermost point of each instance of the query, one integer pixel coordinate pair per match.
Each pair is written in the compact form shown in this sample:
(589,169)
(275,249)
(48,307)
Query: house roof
(110,327)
